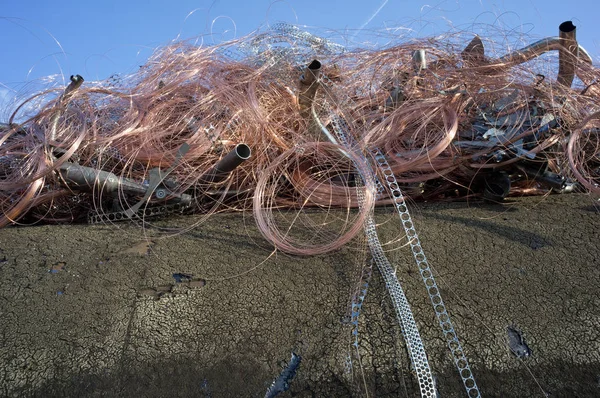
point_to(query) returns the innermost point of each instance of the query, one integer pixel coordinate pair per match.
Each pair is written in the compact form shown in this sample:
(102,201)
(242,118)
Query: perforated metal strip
(414,344)
(424,269)
(359,298)
(143,213)
(432,289)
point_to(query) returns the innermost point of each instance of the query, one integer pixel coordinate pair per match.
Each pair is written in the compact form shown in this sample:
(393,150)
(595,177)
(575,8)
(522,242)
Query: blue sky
(98,38)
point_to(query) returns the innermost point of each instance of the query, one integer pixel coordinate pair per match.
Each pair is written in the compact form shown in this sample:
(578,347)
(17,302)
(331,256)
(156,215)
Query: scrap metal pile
(452,123)
(284,120)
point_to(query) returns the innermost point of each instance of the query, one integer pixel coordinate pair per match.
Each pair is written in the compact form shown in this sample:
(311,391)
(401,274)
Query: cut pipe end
(567,27)
(314,65)
(77,79)
(227,164)
(308,87)
(243,151)
(311,73)
(497,187)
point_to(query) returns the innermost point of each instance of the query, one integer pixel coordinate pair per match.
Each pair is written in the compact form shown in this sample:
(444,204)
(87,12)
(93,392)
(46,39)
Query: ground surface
(79,317)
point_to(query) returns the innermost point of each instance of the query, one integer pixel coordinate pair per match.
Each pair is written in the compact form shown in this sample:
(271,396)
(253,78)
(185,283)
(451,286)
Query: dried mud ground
(77,319)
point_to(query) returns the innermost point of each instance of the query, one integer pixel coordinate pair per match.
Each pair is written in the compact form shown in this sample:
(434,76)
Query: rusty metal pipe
(567,54)
(538,48)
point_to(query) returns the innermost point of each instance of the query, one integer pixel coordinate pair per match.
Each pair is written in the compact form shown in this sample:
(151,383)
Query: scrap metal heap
(452,124)
(285,120)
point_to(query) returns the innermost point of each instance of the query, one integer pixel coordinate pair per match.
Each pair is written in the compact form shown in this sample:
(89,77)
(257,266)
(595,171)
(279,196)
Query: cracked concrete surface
(73,323)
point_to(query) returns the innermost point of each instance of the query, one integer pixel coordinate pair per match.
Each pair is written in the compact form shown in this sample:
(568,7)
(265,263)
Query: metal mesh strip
(432,288)
(358,299)
(405,316)
(406,319)
(155,211)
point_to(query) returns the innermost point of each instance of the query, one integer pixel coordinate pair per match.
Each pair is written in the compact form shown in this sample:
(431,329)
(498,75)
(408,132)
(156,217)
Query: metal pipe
(76,82)
(497,187)
(538,48)
(567,54)
(85,178)
(227,164)
(553,180)
(311,73)
(156,177)
(309,82)
(540,173)
(419,60)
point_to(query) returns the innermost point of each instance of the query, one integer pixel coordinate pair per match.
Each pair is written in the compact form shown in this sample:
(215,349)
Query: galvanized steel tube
(227,164)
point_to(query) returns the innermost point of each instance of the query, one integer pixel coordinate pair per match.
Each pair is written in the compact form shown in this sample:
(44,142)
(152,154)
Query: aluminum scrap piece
(282,382)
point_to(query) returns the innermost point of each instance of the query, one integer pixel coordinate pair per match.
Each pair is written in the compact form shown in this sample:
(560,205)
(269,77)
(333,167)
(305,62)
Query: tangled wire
(452,121)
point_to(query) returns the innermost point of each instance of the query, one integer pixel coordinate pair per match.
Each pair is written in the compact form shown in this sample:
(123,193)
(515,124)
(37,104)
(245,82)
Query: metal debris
(517,344)
(282,383)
